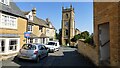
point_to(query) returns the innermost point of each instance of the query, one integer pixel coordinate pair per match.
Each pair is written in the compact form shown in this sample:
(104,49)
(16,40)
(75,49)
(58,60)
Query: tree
(59,36)
(83,35)
(75,38)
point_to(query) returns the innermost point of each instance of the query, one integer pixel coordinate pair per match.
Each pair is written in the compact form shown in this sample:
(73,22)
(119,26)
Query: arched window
(66,15)
(66,32)
(66,24)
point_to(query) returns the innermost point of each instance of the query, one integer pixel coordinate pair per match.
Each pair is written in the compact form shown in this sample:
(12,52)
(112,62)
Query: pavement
(66,56)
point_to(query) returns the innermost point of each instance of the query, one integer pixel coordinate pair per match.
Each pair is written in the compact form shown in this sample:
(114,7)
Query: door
(104,42)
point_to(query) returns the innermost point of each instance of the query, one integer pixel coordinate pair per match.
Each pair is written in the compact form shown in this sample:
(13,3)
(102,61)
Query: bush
(88,40)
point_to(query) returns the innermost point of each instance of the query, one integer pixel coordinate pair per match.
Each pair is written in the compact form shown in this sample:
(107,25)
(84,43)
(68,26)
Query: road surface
(65,57)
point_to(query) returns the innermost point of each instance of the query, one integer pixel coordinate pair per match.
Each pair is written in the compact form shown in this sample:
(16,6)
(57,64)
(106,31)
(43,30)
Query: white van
(53,46)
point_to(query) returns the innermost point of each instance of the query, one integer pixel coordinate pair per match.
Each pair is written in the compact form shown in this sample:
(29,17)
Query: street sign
(27,34)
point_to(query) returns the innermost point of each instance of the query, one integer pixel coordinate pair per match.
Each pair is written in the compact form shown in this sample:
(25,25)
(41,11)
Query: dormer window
(29,16)
(6,2)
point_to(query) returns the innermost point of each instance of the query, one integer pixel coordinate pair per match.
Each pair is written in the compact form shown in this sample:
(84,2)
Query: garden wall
(88,51)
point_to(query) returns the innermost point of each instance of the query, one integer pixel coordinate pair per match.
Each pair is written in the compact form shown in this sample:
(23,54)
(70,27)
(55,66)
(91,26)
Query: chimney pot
(34,11)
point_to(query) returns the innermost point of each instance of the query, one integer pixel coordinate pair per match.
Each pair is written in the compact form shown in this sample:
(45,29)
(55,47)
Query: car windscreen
(29,47)
(51,43)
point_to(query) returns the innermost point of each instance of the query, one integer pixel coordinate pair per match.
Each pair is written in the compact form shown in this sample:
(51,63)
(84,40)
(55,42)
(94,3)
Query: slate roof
(43,36)
(39,21)
(51,24)
(26,13)
(12,9)
(33,35)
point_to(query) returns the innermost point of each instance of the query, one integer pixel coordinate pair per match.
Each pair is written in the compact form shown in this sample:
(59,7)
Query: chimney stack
(47,20)
(34,11)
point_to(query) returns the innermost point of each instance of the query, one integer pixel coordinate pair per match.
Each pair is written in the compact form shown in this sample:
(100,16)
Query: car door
(40,50)
(44,50)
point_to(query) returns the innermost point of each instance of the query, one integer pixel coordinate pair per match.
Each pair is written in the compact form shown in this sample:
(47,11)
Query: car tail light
(36,52)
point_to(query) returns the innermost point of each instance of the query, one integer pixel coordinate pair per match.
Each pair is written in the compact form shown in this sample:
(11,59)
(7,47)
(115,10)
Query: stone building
(41,31)
(77,31)
(68,25)
(12,27)
(107,32)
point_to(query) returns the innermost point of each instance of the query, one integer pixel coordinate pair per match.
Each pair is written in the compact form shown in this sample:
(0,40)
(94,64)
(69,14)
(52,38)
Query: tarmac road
(65,57)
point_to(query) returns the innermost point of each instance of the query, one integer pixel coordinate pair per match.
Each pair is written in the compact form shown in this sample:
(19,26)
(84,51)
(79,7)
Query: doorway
(104,43)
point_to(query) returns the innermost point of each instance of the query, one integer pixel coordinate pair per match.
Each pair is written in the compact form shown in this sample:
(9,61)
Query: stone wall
(108,12)
(0,57)
(88,51)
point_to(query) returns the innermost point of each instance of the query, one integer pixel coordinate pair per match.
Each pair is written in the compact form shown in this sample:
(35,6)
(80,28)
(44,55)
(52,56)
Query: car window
(29,47)
(51,43)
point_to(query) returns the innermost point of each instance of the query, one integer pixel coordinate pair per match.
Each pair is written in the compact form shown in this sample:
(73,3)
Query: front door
(104,42)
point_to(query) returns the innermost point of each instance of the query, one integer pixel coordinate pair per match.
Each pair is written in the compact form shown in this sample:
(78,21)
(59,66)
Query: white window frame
(9,21)
(14,46)
(6,2)
(29,27)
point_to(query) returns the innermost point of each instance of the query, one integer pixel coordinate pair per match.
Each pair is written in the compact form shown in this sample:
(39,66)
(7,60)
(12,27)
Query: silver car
(33,52)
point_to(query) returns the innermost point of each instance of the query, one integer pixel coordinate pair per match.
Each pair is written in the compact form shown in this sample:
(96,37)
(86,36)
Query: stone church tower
(68,25)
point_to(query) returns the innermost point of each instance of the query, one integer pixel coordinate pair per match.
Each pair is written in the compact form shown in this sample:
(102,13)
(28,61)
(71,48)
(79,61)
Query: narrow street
(64,57)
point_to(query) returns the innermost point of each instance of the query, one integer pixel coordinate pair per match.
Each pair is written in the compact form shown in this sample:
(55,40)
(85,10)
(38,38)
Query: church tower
(68,25)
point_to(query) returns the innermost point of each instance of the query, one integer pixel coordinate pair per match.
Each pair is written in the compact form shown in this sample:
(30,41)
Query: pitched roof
(12,9)
(33,35)
(51,24)
(43,36)
(39,21)
(26,13)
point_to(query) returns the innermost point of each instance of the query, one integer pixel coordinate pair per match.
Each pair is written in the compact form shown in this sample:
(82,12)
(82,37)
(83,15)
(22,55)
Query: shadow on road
(68,59)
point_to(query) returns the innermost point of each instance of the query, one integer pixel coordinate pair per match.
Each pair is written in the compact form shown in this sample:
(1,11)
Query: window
(30,17)
(5,2)
(29,27)
(2,45)
(36,40)
(66,33)
(31,40)
(8,22)
(66,24)
(13,45)
(66,15)
(48,31)
(40,28)
(29,47)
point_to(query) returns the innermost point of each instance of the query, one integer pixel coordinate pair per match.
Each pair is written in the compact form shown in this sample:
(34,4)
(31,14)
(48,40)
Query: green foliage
(59,35)
(83,35)
(89,40)
(76,37)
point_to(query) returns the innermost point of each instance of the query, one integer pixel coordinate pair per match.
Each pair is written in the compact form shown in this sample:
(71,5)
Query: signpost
(27,35)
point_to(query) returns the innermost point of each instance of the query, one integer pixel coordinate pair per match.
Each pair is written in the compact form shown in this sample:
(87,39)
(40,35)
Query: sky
(53,11)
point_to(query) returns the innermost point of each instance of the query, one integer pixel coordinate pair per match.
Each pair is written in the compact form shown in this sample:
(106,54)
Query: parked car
(53,46)
(33,52)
